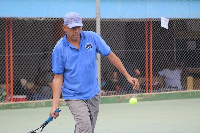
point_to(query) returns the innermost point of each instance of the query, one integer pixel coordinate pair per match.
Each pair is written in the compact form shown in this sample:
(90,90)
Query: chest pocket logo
(88,46)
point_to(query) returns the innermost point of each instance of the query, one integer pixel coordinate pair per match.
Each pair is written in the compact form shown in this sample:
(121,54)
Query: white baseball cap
(73,19)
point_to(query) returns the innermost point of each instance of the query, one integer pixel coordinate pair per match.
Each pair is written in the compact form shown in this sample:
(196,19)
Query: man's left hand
(134,82)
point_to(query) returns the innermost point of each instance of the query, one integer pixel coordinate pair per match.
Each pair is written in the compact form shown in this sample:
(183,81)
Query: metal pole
(151,56)
(146,57)
(6,61)
(11,62)
(98,16)
(98,31)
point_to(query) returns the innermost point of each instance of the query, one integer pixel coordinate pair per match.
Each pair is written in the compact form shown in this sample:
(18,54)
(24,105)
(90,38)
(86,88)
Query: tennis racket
(41,127)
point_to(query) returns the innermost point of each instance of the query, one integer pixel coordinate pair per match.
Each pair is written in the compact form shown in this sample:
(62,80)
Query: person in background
(172,76)
(20,87)
(106,84)
(43,87)
(75,72)
(2,94)
(33,92)
(46,90)
(133,69)
(124,86)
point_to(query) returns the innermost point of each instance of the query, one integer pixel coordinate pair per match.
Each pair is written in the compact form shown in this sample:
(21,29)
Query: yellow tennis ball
(133,101)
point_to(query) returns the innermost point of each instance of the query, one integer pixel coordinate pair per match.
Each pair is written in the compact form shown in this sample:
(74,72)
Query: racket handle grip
(50,117)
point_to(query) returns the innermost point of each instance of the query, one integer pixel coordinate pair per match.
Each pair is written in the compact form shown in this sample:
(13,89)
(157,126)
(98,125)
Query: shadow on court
(169,116)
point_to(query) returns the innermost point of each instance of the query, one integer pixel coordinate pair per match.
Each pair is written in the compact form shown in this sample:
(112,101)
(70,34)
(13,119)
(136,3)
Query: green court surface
(165,116)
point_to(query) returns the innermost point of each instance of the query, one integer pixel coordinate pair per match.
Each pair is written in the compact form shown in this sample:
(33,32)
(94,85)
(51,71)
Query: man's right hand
(52,112)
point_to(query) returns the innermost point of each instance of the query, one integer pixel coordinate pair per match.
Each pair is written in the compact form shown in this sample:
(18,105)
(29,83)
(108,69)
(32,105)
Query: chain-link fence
(27,44)
(175,53)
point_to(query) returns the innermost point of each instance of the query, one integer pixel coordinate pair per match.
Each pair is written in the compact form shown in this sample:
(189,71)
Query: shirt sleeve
(102,47)
(57,61)
(162,72)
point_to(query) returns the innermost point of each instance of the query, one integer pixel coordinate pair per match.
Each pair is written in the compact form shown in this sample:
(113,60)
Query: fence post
(6,60)
(98,31)
(11,62)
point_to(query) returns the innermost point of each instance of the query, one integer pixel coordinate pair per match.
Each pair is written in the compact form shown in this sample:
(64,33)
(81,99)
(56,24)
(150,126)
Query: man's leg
(93,105)
(81,113)
(85,113)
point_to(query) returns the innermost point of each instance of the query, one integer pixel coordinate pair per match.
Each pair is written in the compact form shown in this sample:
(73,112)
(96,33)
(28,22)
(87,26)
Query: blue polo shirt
(78,66)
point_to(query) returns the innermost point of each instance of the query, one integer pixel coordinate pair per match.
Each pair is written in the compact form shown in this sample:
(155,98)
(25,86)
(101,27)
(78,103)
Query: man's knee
(83,125)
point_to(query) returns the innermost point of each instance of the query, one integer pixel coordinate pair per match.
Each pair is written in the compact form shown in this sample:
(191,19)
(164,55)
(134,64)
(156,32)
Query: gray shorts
(85,113)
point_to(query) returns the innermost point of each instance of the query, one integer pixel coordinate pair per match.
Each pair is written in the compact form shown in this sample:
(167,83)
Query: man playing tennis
(75,72)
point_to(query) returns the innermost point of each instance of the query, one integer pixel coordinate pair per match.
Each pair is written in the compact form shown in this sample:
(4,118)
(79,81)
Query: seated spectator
(132,69)
(46,91)
(33,92)
(107,84)
(157,84)
(20,87)
(172,77)
(115,77)
(115,81)
(2,94)
(124,86)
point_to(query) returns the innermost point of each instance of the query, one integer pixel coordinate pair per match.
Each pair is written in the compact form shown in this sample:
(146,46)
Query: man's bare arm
(118,64)
(56,87)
